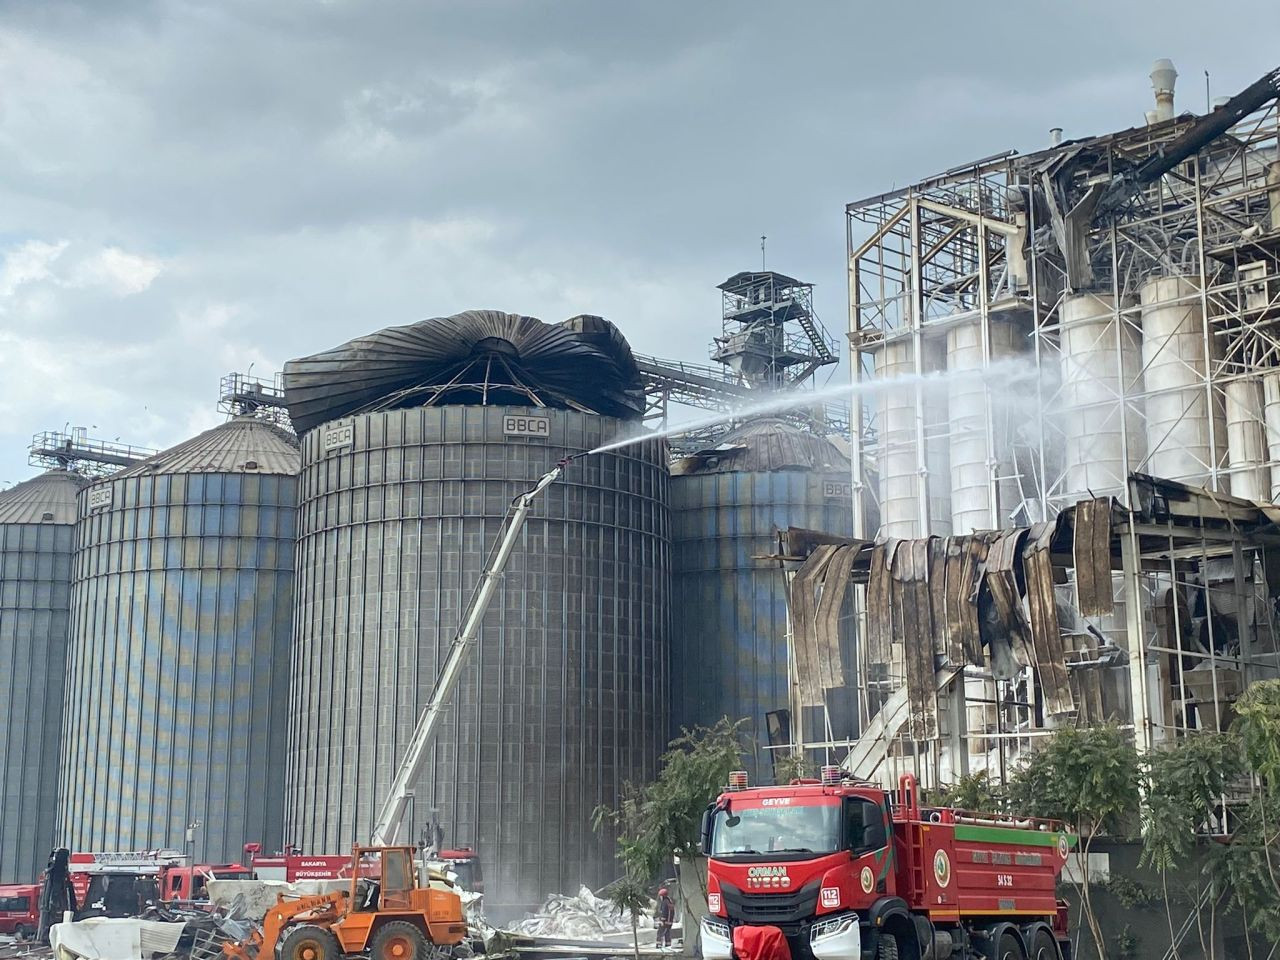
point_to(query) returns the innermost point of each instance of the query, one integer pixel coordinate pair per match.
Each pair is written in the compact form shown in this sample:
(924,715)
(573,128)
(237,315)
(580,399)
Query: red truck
(20,909)
(121,883)
(834,869)
(462,861)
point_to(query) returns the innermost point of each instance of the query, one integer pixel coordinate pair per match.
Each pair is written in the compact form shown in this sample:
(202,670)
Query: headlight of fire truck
(836,938)
(717,939)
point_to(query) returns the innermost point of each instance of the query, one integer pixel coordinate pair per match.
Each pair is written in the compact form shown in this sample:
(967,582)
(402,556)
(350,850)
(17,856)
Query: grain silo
(729,603)
(178,682)
(36,523)
(415,440)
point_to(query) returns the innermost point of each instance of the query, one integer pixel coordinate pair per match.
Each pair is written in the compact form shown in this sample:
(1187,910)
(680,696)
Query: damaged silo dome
(478,357)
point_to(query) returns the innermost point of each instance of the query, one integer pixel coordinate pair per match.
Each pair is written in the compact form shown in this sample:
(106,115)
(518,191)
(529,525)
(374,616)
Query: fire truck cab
(20,909)
(834,869)
(122,883)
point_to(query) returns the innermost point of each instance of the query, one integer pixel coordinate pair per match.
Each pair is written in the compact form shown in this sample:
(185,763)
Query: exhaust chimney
(1163,77)
(1055,136)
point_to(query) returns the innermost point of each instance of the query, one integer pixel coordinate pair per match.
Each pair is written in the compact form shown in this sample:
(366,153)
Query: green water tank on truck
(834,869)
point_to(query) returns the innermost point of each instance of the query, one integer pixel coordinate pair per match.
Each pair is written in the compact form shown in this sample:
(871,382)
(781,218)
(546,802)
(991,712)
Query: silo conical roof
(762,446)
(476,357)
(48,498)
(242,445)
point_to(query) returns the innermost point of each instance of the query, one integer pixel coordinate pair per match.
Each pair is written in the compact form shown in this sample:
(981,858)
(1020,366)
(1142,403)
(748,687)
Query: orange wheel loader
(386,913)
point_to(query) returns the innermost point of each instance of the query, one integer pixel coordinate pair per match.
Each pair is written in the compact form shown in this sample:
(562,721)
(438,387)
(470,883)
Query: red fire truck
(20,909)
(121,883)
(292,867)
(834,869)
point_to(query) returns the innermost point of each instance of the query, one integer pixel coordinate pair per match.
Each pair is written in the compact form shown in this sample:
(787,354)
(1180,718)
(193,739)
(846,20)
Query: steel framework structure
(1020,240)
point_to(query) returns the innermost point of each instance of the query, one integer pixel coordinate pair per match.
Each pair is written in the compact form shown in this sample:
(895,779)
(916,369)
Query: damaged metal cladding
(729,603)
(403,494)
(178,677)
(37,520)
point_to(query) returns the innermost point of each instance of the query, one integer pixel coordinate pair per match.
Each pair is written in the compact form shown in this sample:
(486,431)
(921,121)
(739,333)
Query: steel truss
(1012,238)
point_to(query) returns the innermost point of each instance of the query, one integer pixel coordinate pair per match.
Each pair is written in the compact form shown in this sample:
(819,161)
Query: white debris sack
(584,917)
(106,938)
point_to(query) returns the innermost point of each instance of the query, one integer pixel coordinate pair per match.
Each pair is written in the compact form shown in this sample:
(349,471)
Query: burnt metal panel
(566,694)
(36,541)
(729,606)
(817,602)
(481,357)
(1092,556)
(1047,642)
(910,574)
(178,677)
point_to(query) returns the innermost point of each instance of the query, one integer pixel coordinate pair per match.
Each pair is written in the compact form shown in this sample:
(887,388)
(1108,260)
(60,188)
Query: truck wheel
(306,941)
(887,948)
(399,940)
(22,932)
(1044,946)
(1010,948)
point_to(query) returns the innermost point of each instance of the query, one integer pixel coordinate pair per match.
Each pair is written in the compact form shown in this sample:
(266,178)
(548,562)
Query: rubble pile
(582,917)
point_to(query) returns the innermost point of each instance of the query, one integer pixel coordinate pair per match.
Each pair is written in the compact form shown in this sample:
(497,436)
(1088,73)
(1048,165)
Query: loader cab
(384,879)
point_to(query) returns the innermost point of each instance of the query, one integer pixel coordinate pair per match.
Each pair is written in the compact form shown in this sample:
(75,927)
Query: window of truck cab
(783,831)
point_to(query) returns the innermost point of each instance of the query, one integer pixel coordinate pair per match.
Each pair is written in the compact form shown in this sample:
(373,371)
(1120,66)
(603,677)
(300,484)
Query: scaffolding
(60,450)
(1130,285)
(243,395)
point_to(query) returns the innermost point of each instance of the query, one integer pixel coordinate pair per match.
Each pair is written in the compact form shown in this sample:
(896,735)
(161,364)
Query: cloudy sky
(190,187)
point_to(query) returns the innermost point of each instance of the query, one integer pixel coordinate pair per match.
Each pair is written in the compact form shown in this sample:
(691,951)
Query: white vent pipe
(1098,430)
(973,453)
(1247,440)
(1163,78)
(902,482)
(1173,356)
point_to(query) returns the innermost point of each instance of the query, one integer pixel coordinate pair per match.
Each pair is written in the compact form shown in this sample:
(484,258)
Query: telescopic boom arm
(391,815)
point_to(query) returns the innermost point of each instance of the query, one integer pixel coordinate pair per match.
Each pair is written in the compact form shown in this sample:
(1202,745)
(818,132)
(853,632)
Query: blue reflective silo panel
(35,576)
(177,701)
(729,606)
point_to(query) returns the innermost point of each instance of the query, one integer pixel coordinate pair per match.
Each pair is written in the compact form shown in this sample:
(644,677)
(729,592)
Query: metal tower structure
(771,338)
(242,395)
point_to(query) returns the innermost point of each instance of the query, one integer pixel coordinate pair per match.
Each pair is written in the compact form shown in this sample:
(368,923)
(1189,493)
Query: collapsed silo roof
(476,357)
(48,498)
(242,445)
(761,446)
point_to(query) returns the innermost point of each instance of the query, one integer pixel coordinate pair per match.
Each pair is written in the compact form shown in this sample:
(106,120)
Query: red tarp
(760,943)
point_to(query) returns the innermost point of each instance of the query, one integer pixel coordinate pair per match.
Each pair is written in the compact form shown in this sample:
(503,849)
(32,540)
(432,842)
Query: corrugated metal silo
(36,523)
(729,607)
(416,440)
(179,667)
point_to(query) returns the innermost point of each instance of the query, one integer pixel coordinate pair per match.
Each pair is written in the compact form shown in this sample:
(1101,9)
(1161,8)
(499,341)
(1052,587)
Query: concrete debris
(251,899)
(106,938)
(582,917)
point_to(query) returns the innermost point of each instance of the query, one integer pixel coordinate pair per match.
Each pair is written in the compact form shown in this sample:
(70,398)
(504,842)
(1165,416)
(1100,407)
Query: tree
(1088,777)
(660,820)
(791,766)
(631,895)
(1185,782)
(1252,859)
(974,792)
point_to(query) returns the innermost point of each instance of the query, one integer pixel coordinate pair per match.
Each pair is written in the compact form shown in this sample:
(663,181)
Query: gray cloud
(193,186)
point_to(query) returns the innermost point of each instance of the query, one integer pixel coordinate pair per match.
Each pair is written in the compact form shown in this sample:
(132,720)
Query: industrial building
(178,670)
(1130,285)
(37,524)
